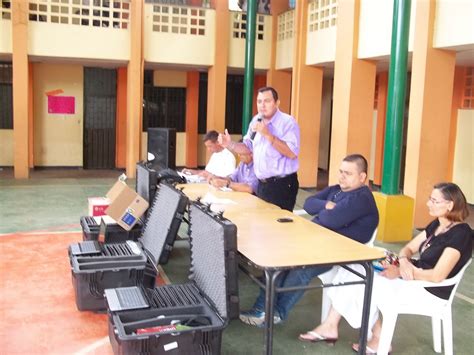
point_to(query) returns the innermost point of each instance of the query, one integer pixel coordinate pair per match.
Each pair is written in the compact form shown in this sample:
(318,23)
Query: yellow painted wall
(57,40)
(321,46)
(463,165)
(58,137)
(453,23)
(169,78)
(160,47)
(375,28)
(284,54)
(6,147)
(5,36)
(262,47)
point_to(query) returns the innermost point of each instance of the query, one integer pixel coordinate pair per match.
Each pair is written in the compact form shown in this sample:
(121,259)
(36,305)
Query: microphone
(259,119)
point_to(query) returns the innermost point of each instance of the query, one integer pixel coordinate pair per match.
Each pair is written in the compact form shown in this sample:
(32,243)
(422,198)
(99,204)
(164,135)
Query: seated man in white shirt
(222,161)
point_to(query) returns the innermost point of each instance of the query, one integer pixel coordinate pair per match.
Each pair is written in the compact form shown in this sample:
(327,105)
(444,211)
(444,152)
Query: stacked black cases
(115,266)
(115,233)
(147,182)
(163,221)
(187,318)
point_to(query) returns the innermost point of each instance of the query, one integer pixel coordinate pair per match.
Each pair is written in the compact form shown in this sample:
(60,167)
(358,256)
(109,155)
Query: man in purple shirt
(274,139)
(243,179)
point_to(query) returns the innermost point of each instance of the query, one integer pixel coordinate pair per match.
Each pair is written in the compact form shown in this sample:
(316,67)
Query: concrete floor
(51,202)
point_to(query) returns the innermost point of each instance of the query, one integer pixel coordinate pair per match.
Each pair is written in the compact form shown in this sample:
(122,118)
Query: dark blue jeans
(285,301)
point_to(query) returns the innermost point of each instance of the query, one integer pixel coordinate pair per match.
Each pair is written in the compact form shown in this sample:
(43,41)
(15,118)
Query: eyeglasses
(436,202)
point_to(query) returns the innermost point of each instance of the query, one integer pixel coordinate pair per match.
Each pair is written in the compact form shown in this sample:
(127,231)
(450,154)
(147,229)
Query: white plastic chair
(328,276)
(438,313)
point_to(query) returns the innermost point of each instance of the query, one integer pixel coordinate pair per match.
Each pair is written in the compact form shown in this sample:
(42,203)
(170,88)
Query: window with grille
(6,96)
(322,14)
(6,10)
(164,107)
(233,107)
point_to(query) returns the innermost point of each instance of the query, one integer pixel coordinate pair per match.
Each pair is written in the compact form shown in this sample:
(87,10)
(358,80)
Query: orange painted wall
(192,102)
(121,119)
(31,125)
(259,81)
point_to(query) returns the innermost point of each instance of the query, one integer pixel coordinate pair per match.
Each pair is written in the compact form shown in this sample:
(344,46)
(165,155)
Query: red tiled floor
(38,312)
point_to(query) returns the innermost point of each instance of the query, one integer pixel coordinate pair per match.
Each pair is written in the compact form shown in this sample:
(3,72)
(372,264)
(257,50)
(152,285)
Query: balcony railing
(286,24)
(179,20)
(94,13)
(322,14)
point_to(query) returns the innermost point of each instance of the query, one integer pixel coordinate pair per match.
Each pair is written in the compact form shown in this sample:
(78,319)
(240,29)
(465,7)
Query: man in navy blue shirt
(347,208)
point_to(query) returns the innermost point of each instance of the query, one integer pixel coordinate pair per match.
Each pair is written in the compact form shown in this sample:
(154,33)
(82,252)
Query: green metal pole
(249,63)
(396,97)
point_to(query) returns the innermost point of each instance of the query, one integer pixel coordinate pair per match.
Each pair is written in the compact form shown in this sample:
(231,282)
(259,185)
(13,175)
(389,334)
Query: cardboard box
(126,206)
(97,206)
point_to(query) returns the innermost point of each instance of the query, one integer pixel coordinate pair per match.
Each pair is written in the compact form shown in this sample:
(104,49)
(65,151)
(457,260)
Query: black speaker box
(162,144)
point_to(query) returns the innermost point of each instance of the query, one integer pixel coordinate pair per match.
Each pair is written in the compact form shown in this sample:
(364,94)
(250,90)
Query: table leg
(369,272)
(270,277)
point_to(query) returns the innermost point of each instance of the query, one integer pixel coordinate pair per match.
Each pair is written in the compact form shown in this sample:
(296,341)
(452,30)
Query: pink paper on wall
(61,104)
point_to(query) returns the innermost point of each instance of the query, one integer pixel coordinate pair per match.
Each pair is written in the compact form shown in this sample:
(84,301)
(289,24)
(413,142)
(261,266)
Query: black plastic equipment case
(164,219)
(202,306)
(147,181)
(115,233)
(117,266)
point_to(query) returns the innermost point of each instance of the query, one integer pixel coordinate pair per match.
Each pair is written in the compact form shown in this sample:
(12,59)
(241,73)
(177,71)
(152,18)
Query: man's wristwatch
(228,183)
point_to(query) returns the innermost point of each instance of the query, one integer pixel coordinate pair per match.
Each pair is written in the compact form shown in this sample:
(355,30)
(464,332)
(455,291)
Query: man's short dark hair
(211,136)
(269,88)
(360,161)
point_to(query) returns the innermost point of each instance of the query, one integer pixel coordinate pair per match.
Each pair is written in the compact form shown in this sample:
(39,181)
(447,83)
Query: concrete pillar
(354,86)
(429,113)
(306,96)
(217,75)
(134,88)
(21,89)
(279,79)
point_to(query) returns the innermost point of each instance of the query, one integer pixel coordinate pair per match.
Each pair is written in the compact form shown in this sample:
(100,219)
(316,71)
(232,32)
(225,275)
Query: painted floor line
(463,297)
(95,345)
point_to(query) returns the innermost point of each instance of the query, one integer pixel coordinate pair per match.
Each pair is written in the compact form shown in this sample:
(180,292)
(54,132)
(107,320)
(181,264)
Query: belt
(276,178)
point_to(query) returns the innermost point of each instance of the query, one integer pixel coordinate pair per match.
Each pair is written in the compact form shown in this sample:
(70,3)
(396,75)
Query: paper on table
(212,199)
(192,178)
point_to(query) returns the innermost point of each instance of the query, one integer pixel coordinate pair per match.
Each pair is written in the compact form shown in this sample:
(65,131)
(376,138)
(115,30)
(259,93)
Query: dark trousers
(280,191)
